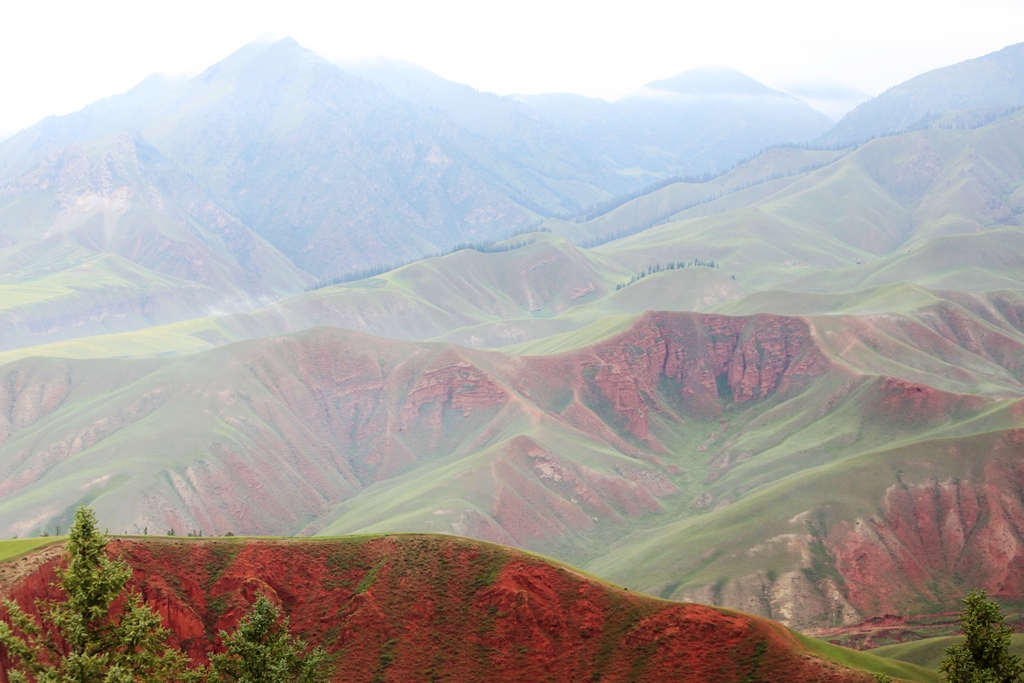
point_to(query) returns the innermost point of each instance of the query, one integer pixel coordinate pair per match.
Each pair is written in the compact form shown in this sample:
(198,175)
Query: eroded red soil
(936,536)
(889,629)
(416,607)
(317,417)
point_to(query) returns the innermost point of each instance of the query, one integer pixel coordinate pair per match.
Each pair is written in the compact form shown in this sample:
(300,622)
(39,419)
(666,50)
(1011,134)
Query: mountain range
(785,380)
(340,172)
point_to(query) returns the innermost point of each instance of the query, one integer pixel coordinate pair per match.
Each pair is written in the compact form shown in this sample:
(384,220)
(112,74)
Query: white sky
(56,57)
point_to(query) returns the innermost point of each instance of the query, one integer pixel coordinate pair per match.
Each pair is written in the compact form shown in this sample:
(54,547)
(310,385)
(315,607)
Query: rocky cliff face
(427,607)
(936,537)
(715,360)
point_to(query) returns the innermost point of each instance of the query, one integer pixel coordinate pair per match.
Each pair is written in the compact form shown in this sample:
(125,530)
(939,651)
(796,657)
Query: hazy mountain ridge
(376,146)
(666,114)
(414,183)
(885,202)
(645,121)
(994,80)
(104,117)
(697,122)
(274,131)
(504,122)
(944,229)
(161,249)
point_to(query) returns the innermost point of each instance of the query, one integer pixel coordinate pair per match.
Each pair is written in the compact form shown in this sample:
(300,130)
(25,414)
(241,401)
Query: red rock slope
(436,608)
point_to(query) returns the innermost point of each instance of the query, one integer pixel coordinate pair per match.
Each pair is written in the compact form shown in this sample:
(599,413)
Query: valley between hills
(781,374)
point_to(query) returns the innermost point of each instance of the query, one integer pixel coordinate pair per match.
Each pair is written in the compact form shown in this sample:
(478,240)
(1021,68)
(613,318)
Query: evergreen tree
(99,634)
(261,650)
(984,656)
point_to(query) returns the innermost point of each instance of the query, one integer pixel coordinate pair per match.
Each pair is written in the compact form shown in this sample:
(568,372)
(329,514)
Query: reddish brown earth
(890,629)
(752,357)
(312,419)
(566,452)
(756,356)
(931,538)
(899,400)
(417,607)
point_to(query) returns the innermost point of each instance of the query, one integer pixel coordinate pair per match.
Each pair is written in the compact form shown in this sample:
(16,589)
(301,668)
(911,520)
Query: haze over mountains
(444,162)
(665,379)
(977,90)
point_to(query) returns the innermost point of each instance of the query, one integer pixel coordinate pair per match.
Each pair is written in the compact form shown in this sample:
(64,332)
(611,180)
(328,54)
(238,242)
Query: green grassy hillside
(90,295)
(748,183)
(886,196)
(792,547)
(928,653)
(422,300)
(854,223)
(10,550)
(980,262)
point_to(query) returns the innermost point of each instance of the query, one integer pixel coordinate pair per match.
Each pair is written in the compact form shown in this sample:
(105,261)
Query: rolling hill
(770,224)
(412,607)
(928,653)
(540,285)
(888,198)
(674,422)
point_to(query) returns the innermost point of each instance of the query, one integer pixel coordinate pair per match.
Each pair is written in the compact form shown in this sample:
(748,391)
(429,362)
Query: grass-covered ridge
(15,548)
(928,653)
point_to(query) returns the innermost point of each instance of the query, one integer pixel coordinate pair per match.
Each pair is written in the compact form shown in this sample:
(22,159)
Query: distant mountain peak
(279,51)
(711,81)
(287,46)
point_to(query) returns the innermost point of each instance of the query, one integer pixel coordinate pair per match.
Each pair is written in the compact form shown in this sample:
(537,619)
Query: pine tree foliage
(984,656)
(99,634)
(262,650)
